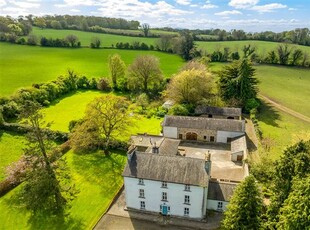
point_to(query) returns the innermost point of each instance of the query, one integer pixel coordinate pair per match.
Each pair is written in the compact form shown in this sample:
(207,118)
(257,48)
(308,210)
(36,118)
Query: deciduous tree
(117,69)
(146,29)
(144,73)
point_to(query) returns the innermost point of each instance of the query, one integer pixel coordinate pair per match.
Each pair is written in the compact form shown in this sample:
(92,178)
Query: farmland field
(96,176)
(262,47)
(21,66)
(107,40)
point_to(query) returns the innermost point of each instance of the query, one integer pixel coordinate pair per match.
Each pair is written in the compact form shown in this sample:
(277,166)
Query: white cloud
(292,9)
(268,7)
(26,4)
(209,6)
(228,12)
(75,10)
(183,2)
(2,3)
(193,5)
(242,4)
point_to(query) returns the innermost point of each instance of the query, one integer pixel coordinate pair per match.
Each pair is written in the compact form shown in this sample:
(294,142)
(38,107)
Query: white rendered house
(170,185)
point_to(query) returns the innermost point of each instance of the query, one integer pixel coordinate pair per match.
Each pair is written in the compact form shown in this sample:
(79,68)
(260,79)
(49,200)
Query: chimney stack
(208,162)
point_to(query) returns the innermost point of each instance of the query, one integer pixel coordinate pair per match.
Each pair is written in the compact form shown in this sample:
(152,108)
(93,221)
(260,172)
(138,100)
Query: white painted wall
(221,136)
(212,205)
(153,197)
(171,132)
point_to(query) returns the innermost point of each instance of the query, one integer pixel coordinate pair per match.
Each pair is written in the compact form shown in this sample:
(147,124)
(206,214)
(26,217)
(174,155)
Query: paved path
(285,109)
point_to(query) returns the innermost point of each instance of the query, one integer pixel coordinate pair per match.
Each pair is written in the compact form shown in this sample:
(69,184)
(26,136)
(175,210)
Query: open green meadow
(107,40)
(281,129)
(262,47)
(98,179)
(72,107)
(21,66)
(287,86)
(11,148)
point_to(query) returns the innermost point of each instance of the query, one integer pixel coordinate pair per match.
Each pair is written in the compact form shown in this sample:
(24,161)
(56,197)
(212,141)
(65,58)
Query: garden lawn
(72,107)
(287,86)
(262,47)
(98,179)
(21,66)
(107,40)
(283,129)
(11,148)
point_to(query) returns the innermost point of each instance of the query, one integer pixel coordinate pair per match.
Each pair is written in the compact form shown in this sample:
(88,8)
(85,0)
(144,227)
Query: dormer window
(164,184)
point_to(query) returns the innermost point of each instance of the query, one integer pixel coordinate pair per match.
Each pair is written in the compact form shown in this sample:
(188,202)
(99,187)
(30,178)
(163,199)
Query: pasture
(287,86)
(107,40)
(262,47)
(21,66)
(98,179)
(11,148)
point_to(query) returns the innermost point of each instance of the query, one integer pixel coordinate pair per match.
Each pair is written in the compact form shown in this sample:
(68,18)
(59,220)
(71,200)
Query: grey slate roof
(204,123)
(220,191)
(220,111)
(175,169)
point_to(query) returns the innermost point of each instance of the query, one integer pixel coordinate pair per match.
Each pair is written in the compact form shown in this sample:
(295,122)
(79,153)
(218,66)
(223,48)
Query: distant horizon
(248,15)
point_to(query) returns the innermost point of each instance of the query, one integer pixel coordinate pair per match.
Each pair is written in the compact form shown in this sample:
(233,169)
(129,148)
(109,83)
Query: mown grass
(281,129)
(11,148)
(98,179)
(72,107)
(107,40)
(262,47)
(286,85)
(21,66)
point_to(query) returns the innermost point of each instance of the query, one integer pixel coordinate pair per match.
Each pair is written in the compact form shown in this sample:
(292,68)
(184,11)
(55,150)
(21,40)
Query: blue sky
(249,15)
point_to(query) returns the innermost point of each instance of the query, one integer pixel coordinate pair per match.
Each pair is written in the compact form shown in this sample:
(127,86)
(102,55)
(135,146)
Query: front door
(165,209)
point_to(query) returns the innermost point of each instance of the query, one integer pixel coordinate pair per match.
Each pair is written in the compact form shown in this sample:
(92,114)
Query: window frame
(164,184)
(187,199)
(186,211)
(164,196)
(187,188)
(141,181)
(212,138)
(220,205)
(141,193)
(142,205)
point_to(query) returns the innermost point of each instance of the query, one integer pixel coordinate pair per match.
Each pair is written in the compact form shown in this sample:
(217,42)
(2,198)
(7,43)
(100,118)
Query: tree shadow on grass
(38,222)
(101,169)
(268,114)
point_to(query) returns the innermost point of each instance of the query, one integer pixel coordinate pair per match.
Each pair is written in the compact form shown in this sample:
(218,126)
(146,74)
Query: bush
(21,41)
(32,40)
(251,104)
(104,84)
(178,109)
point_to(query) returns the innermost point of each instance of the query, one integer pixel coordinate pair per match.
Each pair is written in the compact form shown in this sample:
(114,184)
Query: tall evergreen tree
(244,208)
(237,82)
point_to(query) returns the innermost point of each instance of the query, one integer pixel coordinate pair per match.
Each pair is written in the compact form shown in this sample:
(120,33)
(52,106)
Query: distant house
(219,112)
(202,128)
(180,176)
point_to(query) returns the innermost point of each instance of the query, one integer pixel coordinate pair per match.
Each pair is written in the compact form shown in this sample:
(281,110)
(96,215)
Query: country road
(285,109)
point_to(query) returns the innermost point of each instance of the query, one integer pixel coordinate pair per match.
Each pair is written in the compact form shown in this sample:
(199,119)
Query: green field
(281,128)
(107,40)
(72,107)
(11,148)
(98,179)
(21,66)
(262,47)
(287,86)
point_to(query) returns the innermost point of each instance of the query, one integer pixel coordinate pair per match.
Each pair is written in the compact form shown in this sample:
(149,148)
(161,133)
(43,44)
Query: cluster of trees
(69,41)
(134,46)
(44,93)
(299,36)
(11,29)
(81,22)
(288,182)
(284,54)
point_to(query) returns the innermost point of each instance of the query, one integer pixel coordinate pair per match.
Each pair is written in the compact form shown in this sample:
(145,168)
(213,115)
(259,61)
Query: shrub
(32,40)
(104,84)
(178,109)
